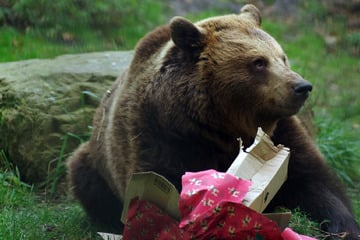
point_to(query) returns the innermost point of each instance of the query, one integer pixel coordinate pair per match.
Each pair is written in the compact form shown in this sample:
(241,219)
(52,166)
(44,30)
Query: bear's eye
(259,64)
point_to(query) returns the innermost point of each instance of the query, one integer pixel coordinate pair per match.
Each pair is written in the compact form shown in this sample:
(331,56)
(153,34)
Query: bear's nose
(302,88)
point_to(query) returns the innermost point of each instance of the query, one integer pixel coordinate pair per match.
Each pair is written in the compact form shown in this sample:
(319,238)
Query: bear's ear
(185,34)
(252,13)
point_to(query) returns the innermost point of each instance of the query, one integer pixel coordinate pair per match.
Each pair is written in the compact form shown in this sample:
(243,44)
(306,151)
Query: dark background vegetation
(321,38)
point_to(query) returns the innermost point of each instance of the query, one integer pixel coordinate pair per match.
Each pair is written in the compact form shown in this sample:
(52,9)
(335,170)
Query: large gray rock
(46,107)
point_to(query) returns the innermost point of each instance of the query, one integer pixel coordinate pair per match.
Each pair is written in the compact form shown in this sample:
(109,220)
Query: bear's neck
(246,128)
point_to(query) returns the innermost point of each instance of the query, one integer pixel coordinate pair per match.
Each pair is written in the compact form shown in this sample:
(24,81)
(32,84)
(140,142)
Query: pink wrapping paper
(147,221)
(210,206)
(289,234)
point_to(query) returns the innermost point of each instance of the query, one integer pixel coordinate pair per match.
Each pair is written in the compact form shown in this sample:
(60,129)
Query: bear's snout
(302,88)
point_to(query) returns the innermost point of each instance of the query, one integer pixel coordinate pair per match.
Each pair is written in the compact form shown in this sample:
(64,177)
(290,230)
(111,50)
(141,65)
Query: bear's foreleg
(311,185)
(90,188)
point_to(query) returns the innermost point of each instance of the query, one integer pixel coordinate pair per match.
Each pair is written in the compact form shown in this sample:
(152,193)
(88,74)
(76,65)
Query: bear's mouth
(295,105)
(301,98)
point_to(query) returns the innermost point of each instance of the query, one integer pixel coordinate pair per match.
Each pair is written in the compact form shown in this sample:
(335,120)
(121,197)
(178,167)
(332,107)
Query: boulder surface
(46,107)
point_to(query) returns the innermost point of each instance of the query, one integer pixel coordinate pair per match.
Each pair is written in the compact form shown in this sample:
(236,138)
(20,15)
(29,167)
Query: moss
(45,102)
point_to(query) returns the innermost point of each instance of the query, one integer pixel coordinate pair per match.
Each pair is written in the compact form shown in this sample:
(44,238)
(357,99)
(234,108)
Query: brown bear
(190,92)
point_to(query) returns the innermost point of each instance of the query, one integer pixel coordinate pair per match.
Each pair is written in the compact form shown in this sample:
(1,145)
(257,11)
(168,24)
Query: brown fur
(190,92)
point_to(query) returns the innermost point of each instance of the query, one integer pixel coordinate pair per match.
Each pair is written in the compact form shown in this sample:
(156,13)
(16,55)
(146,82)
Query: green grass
(28,213)
(31,43)
(16,45)
(25,215)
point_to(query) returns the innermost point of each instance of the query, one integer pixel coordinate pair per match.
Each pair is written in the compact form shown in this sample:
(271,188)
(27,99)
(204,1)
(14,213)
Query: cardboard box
(262,163)
(265,165)
(154,188)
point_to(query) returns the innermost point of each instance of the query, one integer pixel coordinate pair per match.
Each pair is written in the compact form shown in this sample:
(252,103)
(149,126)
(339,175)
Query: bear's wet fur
(191,90)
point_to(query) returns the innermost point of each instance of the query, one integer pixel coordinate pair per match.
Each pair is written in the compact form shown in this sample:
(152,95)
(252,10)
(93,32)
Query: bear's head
(245,71)
(223,73)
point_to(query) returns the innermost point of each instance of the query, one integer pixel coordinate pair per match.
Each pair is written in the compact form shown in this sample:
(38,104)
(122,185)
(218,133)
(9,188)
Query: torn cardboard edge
(262,163)
(154,188)
(265,165)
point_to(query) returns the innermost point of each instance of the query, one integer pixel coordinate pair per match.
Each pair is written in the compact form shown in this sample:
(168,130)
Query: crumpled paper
(210,206)
(147,221)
